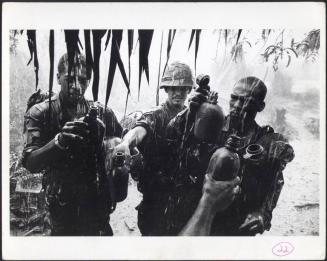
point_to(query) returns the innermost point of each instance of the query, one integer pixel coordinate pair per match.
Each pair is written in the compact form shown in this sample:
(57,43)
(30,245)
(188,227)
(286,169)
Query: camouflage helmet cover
(177,74)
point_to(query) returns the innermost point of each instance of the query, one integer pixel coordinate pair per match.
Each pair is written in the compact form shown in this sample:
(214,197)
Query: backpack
(37,97)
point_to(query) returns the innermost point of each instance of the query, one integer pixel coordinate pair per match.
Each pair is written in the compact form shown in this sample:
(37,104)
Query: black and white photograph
(155,132)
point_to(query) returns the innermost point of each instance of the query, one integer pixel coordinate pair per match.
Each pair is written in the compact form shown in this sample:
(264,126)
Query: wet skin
(245,103)
(177,95)
(74,86)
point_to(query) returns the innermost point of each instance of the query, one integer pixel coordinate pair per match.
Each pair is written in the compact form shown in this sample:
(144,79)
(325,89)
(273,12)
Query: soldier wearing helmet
(148,135)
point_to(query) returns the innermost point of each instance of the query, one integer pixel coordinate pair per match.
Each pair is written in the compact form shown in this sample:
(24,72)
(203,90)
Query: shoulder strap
(37,97)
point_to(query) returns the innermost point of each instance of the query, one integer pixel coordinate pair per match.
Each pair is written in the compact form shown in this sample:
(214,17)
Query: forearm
(134,137)
(40,158)
(201,221)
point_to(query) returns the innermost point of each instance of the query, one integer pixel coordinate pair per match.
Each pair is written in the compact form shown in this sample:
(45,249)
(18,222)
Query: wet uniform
(260,186)
(77,191)
(187,167)
(153,182)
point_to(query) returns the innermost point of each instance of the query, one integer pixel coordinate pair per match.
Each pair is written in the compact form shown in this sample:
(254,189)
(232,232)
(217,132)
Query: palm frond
(145,38)
(31,40)
(114,60)
(238,35)
(197,42)
(310,44)
(171,36)
(196,33)
(97,36)
(88,54)
(157,94)
(130,36)
(51,56)
(107,40)
(191,39)
(72,45)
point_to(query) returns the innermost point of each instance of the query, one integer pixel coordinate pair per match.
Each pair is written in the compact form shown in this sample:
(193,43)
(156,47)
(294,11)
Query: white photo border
(159,15)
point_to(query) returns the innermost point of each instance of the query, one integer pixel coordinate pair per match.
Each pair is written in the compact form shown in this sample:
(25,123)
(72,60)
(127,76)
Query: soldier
(71,151)
(262,177)
(149,135)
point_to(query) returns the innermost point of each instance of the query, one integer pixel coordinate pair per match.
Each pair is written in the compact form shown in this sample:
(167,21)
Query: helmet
(177,74)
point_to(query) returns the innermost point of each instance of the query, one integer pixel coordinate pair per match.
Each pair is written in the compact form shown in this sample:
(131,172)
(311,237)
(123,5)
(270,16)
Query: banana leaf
(51,55)
(197,42)
(31,40)
(238,35)
(191,39)
(226,36)
(196,33)
(171,36)
(130,35)
(88,54)
(97,36)
(157,96)
(114,60)
(145,38)
(108,39)
(130,48)
(72,44)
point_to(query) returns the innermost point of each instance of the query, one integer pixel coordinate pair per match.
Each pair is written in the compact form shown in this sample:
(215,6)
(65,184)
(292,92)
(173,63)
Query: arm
(36,159)
(37,154)
(200,223)
(132,138)
(216,197)
(40,153)
(145,126)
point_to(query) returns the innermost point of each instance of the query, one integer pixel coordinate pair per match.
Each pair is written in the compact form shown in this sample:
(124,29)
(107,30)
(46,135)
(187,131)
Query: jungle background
(287,60)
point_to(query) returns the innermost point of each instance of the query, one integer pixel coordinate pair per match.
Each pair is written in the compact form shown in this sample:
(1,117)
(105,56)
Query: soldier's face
(177,95)
(244,104)
(242,101)
(73,86)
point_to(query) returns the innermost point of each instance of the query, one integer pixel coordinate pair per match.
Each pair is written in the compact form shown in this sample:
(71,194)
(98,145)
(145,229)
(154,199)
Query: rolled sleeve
(146,121)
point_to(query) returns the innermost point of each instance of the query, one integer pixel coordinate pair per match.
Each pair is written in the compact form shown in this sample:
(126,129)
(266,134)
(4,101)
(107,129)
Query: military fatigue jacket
(154,182)
(77,190)
(42,123)
(154,147)
(261,186)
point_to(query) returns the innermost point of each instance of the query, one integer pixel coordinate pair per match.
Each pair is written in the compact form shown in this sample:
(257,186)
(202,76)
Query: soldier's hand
(219,194)
(253,224)
(96,128)
(73,132)
(122,147)
(198,97)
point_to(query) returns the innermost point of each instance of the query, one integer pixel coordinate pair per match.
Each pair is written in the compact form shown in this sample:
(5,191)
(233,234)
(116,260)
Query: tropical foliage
(276,52)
